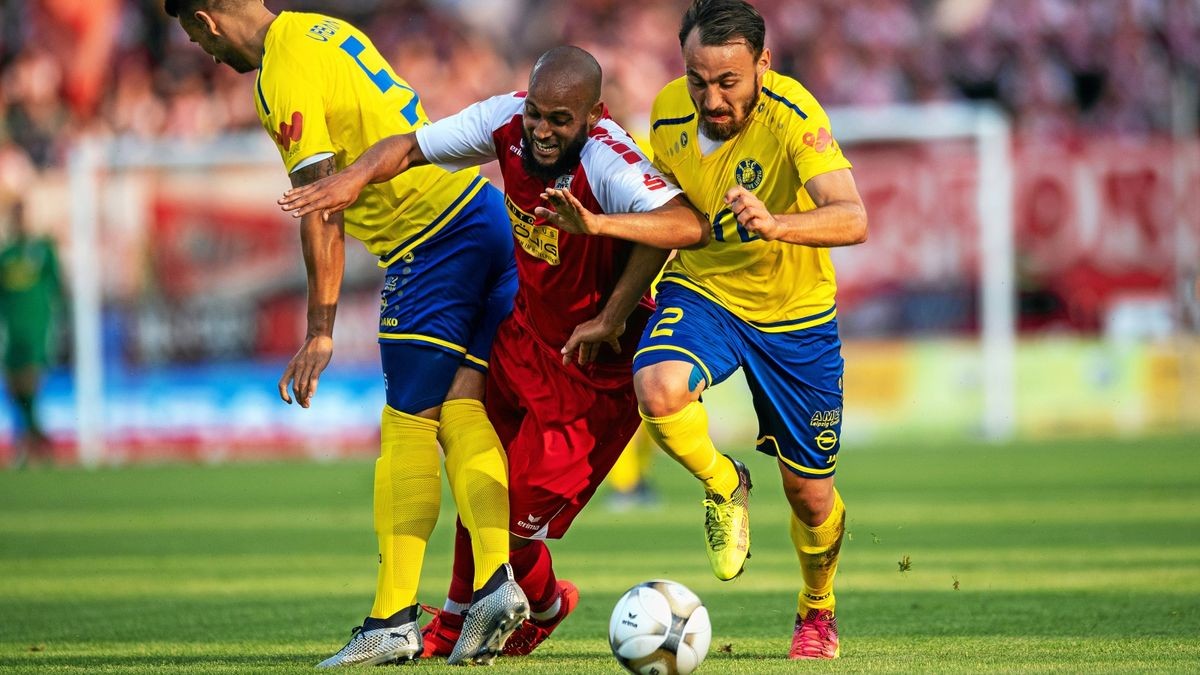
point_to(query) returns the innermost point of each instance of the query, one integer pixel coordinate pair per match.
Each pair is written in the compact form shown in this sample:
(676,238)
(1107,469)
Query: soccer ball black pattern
(659,628)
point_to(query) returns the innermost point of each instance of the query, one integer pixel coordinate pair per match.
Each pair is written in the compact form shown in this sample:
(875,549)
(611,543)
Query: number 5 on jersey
(382,78)
(670,315)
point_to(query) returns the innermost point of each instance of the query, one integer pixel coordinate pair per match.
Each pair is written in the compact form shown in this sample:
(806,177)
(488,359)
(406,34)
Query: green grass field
(1065,556)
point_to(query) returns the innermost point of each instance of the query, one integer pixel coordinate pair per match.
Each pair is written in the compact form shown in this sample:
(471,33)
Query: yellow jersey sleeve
(292,109)
(809,139)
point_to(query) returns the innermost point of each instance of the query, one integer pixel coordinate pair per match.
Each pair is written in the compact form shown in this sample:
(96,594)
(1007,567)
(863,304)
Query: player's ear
(595,114)
(764,61)
(206,20)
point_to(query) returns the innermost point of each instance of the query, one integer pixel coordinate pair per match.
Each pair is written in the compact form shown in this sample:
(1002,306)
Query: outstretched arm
(676,224)
(643,266)
(322,239)
(381,162)
(840,218)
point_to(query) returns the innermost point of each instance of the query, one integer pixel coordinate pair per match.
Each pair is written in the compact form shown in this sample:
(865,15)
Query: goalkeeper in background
(30,295)
(325,94)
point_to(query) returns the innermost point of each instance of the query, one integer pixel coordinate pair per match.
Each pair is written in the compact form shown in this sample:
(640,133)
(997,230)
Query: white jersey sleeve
(465,138)
(621,177)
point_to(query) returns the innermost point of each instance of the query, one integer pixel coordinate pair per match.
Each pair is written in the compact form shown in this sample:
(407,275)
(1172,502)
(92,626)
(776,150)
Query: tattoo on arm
(313,172)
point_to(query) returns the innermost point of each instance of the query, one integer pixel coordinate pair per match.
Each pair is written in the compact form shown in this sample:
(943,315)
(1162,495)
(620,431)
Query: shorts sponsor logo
(534,519)
(389,322)
(826,439)
(683,139)
(823,419)
(748,174)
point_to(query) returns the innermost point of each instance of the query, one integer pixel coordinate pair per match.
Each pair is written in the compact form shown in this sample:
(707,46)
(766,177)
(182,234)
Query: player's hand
(752,214)
(584,343)
(304,370)
(328,195)
(568,213)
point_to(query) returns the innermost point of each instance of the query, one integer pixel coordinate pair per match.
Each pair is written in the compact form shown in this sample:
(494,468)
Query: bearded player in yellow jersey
(753,150)
(325,94)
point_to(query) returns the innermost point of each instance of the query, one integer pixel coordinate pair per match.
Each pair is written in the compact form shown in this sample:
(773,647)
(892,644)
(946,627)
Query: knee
(811,499)
(661,392)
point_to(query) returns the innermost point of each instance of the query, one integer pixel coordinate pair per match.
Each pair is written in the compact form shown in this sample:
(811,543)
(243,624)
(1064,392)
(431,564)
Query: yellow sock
(626,473)
(818,549)
(684,436)
(478,472)
(408,494)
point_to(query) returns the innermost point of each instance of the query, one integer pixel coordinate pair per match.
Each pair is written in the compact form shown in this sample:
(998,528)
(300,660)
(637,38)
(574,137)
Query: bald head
(567,73)
(561,107)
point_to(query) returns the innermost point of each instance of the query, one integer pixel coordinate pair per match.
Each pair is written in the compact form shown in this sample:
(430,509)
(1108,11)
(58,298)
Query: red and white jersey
(565,278)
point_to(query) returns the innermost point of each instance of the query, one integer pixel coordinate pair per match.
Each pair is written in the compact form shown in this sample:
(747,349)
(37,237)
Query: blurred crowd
(1059,66)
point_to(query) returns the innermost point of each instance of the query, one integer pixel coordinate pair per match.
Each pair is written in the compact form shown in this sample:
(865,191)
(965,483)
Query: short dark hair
(724,21)
(186,8)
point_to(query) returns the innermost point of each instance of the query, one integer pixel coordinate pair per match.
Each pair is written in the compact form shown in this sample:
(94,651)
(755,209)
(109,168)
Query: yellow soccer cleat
(727,526)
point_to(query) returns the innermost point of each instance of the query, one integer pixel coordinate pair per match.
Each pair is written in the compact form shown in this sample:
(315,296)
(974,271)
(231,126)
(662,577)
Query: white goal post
(988,127)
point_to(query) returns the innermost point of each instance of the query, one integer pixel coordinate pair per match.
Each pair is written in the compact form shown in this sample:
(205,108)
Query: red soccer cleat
(533,632)
(816,636)
(441,633)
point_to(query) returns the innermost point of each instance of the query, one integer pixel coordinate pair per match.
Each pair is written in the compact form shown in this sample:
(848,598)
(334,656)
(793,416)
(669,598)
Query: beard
(727,130)
(568,157)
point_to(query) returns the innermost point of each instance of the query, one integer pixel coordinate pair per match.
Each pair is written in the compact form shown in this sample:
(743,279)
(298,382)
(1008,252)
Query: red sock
(535,574)
(464,569)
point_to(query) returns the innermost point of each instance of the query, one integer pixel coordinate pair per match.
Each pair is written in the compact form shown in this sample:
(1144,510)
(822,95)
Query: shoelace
(715,513)
(815,633)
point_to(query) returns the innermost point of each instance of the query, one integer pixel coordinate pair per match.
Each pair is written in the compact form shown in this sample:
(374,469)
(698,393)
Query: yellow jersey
(774,286)
(324,88)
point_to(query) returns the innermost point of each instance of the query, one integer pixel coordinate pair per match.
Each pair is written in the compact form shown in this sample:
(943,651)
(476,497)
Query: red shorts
(563,427)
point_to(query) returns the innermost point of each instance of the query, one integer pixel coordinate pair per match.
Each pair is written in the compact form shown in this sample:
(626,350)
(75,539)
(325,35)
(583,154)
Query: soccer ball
(659,628)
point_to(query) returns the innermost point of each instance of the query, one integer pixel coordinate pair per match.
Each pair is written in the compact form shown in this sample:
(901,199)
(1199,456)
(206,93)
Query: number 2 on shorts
(670,315)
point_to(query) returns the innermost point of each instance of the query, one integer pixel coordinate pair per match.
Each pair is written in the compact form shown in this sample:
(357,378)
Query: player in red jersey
(560,389)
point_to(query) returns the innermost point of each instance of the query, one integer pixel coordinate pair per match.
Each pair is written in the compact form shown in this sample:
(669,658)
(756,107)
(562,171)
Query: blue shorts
(441,303)
(795,377)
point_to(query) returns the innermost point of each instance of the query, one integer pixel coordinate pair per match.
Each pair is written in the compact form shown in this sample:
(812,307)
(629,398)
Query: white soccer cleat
(496,611)
(396,639)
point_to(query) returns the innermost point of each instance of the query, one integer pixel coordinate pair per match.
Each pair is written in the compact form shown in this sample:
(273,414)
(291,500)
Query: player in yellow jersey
(325,95)
(753,150)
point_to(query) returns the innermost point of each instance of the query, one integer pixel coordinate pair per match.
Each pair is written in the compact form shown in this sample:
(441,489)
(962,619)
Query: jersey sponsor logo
(820,141)
(748,174)
(563,182)
(290,133)
(826,439)
(324,30)
(514,150)
(653,183)
(825,418)
(627,153)
(539,241)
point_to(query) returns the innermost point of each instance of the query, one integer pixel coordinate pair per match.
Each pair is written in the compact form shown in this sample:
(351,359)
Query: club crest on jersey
(748,174)
(563,182)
